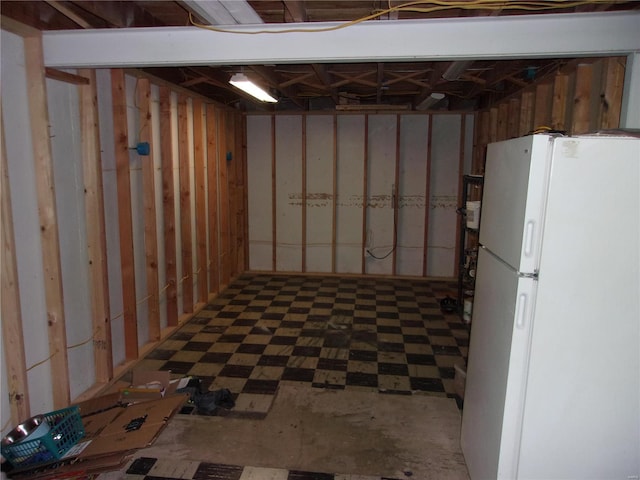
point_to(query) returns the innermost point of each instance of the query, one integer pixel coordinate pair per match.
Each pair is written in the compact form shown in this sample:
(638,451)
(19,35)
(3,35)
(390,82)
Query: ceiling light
(455,70)
(240,80)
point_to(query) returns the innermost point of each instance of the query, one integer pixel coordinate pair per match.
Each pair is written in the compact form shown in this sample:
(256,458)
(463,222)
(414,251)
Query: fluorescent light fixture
(240,80)
(455,70)
(430,101)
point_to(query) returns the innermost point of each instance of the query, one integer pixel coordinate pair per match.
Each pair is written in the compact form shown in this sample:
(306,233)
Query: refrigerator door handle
(528,238)
(521,310)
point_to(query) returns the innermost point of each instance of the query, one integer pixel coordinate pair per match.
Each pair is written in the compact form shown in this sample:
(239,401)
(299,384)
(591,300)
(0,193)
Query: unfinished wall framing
(126,214)
(356,193)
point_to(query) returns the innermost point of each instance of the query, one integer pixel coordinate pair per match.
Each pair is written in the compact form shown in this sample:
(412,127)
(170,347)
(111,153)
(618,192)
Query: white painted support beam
(525,36)
(630,115)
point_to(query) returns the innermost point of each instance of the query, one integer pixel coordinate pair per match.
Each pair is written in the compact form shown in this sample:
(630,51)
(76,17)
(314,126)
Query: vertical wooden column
(95,224)
(526,112)
(223,195)
(542,108)
(241,214)
(396,198)
(365,194)
(212,198)
(334,196)
(12,335)
(456,264)
(611,96)
(303,154)
(232,182)
(582,99)
(168,206)
(493,125)
(427,199)
(185,206)
(503,114)
(39,120)
(274,205)
(149,204)
(201,199)
(245,195)
(482,139)
(123,179)
(513,118)
(559,103)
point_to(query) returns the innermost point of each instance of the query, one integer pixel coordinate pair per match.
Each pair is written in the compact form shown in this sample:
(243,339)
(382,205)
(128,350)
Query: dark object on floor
(448,304)
(207,403)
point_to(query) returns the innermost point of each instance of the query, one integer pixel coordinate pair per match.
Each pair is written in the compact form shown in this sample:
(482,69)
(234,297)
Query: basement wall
(372,194)
(106,250)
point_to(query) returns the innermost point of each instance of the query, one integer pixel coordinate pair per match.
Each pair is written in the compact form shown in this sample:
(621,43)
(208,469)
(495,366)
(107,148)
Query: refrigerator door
(582,413)
(515,183)
(496,371)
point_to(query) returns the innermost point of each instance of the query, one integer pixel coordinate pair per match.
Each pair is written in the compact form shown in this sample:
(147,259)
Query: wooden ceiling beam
(297,79)
(295,11)
(380,83)
(323,74)
(272,78)
(359,79)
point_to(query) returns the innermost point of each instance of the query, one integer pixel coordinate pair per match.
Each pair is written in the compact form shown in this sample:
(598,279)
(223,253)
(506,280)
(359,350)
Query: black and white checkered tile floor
(325,332)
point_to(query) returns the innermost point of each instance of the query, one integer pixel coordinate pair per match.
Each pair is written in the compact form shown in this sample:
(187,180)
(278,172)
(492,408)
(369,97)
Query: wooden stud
(559,105)
(232,182)
(201,199)
(334,195)
(185,206)
(581,99)
(611,96)
(149,209)
(274,215)
(542,108)
(456,263)
(503,114)
(168,206)
(493,125)
(67,77)
(526,112)
(303,153)
(95,224)
(245,198)
(240,212)
(365,194)
(12,336)
(427,199)
(513,118)
(481,144)
(212,198)
(121,140)
(396,200)
(223,194)
(54,300)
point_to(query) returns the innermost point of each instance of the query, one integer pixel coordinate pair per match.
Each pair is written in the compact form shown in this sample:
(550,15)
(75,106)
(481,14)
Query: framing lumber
(121,140)
(274,216)
(427,199)
(54,300)
(613,86)
(303,154)
(201,199)
(149,209)
(396,199)
(559,103)
(581,100)
(212,199)
(365,195)
(95,224)
(62,76)
(185,206)
(168,205)
(223,194)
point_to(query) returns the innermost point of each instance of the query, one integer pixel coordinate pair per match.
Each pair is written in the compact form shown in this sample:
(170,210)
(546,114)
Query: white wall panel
(66,144)
(380,194)
(259,150)
(414,134)
(288,193)
(319,192)
(350,171)
(445,166)
(20,165)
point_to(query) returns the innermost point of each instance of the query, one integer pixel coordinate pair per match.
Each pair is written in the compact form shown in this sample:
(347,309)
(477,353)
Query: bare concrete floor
(334,431)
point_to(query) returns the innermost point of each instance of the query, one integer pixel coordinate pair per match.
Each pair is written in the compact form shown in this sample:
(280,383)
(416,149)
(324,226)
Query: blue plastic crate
(66,429)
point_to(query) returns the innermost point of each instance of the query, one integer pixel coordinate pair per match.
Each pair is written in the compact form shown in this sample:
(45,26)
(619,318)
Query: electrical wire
(415,7)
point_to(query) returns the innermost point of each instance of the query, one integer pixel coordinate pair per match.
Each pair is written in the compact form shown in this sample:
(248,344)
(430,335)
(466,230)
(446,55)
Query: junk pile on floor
(101,434)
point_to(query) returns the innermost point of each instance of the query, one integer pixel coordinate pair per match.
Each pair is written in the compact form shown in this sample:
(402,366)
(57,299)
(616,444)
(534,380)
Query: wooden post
(12,336)
(334,197)
(456,263)
(149,204)
(245,198)
(223,194)
(611,96)
(503,114)
(396,199)
(185,206)
(168,206)
(582,99)
(513,119)
(427,199)
(559,105)
(303,154)
(542,108)
(232,182)
(212,199)
(493,125)
(121,140)
(526,112)
(54,299)
(201,199)
(365,193)
(95,224)
(274,206)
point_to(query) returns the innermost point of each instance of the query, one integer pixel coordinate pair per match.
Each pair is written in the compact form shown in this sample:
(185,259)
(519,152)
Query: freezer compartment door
(496,371)
(515,181)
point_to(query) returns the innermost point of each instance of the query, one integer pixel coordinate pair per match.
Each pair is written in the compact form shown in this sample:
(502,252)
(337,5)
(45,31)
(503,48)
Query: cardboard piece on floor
(135,427)
(98,404)
(148,385)
(94,424)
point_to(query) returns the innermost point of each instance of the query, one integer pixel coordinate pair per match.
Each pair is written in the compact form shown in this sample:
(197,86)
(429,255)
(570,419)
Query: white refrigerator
(553,374)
